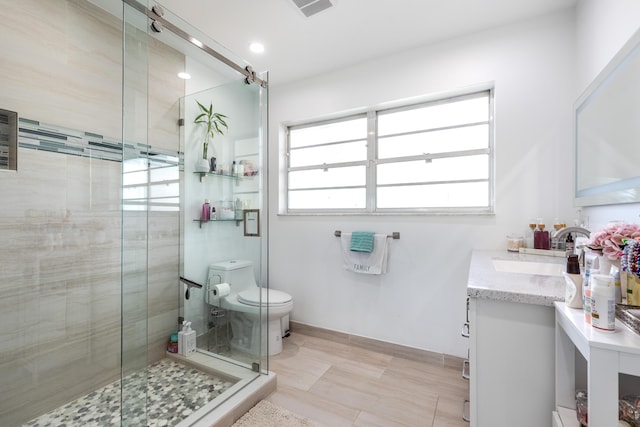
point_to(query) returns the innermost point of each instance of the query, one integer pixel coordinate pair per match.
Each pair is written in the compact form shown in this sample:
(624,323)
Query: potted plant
(216,124)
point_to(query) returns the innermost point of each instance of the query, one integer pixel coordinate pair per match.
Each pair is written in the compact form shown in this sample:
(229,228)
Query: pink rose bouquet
(610,239)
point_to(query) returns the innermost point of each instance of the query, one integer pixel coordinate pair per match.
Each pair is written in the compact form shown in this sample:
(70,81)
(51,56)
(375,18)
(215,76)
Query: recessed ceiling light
(256,47)
(185,76)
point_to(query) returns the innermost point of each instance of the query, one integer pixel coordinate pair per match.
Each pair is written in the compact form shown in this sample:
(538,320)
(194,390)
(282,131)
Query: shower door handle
(190,283)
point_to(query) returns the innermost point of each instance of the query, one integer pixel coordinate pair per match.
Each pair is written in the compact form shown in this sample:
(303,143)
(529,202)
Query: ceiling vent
(311,7)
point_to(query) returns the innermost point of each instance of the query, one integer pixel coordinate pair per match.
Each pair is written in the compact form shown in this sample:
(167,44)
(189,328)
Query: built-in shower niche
(8,140)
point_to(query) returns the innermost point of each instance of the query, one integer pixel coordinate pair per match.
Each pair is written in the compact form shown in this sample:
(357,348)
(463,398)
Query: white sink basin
(528,267)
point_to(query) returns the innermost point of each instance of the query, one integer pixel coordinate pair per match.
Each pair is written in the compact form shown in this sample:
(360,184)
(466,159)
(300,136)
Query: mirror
(251,222)
(607,132)
(8,140)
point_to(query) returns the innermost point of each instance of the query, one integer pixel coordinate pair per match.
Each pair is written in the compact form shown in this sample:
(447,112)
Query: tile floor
(338,384)
(174,392)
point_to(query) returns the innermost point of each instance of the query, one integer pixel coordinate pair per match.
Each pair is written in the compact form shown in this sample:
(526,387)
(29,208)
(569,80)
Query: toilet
(244,301)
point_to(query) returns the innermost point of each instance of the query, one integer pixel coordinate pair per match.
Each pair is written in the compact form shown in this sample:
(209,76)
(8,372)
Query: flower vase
(605,264)
(202,165)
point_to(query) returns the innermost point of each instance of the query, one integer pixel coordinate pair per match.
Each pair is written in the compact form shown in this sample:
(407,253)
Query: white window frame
(372,159)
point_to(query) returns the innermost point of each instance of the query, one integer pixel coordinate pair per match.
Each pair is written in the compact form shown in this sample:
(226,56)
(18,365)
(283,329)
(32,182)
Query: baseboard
(379,346)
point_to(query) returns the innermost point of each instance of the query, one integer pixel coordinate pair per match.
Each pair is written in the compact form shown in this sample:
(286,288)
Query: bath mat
(266,414)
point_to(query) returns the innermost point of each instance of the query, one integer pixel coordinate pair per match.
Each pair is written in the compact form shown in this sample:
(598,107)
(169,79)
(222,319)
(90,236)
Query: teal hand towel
(362,241)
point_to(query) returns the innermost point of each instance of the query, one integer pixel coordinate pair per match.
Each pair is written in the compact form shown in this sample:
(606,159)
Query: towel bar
(395,235)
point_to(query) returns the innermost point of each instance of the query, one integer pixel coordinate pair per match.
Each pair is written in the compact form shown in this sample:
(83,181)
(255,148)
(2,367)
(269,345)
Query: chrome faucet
(566,230)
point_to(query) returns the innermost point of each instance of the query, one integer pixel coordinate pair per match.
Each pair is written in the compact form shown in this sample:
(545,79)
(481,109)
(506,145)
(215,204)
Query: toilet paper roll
(221,290)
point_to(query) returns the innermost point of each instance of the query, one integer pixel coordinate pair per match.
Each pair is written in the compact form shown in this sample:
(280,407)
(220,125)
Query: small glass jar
(515,242)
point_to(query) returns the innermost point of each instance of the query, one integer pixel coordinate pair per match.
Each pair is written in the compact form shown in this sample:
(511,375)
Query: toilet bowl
(245,302)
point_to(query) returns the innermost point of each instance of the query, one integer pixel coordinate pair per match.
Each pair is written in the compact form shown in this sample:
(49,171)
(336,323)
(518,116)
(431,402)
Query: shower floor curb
(231,410)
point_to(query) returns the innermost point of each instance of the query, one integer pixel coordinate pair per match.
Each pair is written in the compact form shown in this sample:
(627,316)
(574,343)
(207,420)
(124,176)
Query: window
(430,157)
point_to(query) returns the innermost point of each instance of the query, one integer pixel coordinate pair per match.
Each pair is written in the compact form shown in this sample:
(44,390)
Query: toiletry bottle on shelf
(537,235)
(173,343)
(555,243)
(529,235)
(545,242)
(234,171)
(189,340)
(214,215)
(206,211)
(240,168)
(569,244)
(238,211)
(541,236)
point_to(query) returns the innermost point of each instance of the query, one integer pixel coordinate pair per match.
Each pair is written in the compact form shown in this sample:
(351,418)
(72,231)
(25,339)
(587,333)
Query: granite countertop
(486,282)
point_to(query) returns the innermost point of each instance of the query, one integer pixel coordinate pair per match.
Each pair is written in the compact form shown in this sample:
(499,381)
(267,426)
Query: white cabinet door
(512,363)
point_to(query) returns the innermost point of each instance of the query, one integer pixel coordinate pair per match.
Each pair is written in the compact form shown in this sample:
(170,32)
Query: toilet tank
(237,273)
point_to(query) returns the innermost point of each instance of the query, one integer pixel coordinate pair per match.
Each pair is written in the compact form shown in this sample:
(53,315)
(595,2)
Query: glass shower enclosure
(101,216)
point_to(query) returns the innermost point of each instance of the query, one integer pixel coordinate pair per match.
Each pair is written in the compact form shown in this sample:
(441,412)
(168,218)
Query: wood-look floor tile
(366,419)
(325,411)
(337,384)
(449,413)
(301,371)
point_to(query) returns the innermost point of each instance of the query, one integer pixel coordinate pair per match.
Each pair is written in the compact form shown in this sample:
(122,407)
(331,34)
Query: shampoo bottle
(206,211)
(573,278)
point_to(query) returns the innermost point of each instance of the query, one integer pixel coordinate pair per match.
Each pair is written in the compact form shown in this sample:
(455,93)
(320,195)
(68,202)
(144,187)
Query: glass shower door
(232,183)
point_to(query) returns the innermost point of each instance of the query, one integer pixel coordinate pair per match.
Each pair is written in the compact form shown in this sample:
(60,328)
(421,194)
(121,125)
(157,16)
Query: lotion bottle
(603,304)
(573,293)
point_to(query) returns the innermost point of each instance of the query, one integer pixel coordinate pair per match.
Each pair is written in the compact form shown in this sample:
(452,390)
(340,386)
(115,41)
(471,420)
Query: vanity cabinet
(607,356)
(511,357)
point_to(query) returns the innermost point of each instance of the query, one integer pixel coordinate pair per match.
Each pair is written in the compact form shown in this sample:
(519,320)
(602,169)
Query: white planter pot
(202,165)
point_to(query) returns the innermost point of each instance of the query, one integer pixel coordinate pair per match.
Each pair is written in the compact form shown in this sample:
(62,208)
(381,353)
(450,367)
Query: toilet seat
(253,297)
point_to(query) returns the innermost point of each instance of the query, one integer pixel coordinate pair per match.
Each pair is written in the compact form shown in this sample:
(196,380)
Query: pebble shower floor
(175,391)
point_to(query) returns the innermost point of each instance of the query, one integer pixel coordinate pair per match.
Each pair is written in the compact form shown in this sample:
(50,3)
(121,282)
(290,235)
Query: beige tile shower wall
(164,289)
(59,282)
(60,217)
(61,64)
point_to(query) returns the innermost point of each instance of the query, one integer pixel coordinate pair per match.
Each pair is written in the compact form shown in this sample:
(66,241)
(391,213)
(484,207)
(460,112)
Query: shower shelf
(238,221)
(237,177)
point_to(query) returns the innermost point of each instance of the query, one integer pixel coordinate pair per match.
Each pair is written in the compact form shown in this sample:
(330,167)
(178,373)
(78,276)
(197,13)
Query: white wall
(602,28)
(421,301)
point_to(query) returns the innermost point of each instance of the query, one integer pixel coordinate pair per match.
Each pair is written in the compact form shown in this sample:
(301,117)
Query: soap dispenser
(573,279)
(189,340)
(181,339)
(541,237)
